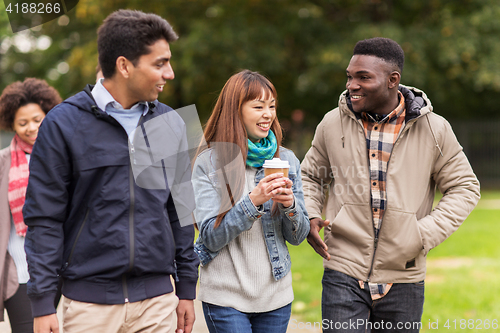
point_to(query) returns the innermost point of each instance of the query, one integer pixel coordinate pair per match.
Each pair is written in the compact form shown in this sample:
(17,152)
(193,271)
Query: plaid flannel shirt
(381,134)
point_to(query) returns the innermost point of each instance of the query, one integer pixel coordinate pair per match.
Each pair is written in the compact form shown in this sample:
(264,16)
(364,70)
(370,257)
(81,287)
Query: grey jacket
(291,225)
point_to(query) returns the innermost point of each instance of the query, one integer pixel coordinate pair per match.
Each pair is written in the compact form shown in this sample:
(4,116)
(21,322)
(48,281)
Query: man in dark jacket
(113,236)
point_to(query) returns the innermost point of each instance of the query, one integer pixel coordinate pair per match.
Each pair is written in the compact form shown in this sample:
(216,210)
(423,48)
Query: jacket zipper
(131,212)
(76,240)
(125,289)
(131,220)
(375,241)
(131,233)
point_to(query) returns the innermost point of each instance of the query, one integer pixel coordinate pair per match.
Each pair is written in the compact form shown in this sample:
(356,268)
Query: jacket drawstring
(341,130)
(433,135)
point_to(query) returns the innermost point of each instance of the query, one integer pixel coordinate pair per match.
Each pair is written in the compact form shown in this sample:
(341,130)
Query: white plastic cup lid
(276,163)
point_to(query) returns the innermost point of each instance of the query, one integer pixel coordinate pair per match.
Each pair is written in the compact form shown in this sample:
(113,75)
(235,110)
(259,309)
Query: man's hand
(185,316)
(314,239)
(46,324)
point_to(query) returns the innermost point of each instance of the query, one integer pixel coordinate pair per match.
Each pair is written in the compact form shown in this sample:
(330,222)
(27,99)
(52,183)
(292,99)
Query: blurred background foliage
(452,52)
(303,46)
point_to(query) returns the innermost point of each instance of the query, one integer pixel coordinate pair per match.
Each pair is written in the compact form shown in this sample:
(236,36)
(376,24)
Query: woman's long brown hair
(225,125)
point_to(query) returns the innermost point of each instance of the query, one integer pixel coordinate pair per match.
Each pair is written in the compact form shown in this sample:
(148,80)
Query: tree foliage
(303,46)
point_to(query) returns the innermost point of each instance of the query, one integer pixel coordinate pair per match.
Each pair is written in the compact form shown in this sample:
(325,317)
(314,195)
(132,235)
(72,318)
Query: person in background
(23,106)
(116,244)
(244,217)
(382,154)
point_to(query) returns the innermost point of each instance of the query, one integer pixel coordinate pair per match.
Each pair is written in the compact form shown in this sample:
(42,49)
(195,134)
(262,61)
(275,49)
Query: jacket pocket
(168,240)
(73,246)
(350,235)
(400,242)
(154,244)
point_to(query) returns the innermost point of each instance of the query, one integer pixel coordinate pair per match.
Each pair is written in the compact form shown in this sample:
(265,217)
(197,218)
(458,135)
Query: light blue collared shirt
(128,118)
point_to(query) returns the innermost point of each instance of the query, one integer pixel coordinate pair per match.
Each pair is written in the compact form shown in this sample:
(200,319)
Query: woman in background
(245,218)
(23,105)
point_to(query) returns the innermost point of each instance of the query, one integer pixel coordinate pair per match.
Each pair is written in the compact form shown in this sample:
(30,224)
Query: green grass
(463,276)
(307,271)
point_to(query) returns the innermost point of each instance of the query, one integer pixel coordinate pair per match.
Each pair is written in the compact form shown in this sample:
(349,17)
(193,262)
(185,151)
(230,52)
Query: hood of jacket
(417,104)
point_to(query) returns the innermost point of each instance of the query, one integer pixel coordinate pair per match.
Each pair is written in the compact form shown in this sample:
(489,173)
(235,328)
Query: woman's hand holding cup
(268,188)
(285,195)
(275,185)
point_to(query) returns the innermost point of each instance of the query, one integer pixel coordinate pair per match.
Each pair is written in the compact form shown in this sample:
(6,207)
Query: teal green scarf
(260,151)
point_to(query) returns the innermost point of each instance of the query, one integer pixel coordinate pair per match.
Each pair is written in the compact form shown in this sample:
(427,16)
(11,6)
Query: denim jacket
(291,225)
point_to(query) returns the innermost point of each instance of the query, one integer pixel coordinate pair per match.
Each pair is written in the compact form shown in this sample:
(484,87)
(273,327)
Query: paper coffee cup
(276,165)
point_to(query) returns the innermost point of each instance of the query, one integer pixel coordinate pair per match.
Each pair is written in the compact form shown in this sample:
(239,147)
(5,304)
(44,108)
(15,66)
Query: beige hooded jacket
(426,156)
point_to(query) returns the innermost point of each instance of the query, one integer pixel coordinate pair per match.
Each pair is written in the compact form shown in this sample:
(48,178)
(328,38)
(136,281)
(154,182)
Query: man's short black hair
(129,33)
(383,48)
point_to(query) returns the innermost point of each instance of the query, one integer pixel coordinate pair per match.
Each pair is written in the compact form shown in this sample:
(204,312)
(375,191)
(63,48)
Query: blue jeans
(348,308)
(222,319)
